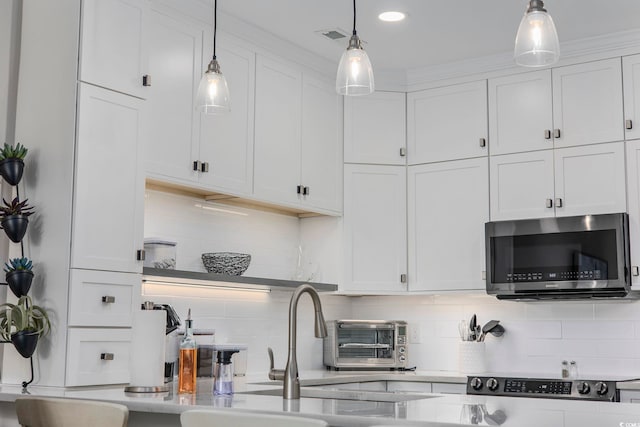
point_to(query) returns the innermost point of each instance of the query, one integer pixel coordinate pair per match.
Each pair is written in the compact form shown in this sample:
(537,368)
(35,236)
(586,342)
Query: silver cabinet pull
(146,80)
(483,142)
(556,133)
(197,165)
(628,124)
(635,271)
(558,202)
(403,278)
(299,189)
(549,203)
(106,356)
(204,167)
(306,191)
(108,299)
(547,134)
(140,255)
(403,152)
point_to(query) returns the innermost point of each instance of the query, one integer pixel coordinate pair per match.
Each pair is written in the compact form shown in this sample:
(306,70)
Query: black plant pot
(19,281)
(11,170)
(25,342)
(15,226)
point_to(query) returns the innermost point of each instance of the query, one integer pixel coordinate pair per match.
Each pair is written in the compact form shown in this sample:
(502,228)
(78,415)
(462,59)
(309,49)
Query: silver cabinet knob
(197,165)
(146,80)
(558,202)
(635,271)
(483,142)
(107,356)
(549,203)
(108,299)
(140,255)
(403,152)
(628,124)
(204,167)
(556,133)
(547,134)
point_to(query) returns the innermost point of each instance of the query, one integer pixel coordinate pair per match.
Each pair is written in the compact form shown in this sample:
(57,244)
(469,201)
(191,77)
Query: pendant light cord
(354,17)
(215,25)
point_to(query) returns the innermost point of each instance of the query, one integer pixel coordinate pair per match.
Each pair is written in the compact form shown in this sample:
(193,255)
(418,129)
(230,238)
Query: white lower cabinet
(448,204)
(97,356)
(103,298)
(375,232)
(561,182)
(408,387)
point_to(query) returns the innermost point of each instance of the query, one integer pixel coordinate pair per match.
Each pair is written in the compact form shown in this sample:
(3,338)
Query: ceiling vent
(333,34)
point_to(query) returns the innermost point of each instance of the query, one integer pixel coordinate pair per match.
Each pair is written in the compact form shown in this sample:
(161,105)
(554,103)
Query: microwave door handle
(365,326)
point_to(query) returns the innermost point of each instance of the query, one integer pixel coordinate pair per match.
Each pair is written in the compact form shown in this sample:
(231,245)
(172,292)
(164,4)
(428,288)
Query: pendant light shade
(537,42)
(213,92)
(355,74)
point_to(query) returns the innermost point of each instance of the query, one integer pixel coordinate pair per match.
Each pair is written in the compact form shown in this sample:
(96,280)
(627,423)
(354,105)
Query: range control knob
(583,387)
(492,384)
(601,388)
(476,383)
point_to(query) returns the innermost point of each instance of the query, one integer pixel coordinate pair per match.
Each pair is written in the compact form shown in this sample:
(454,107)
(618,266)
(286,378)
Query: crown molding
(583,50)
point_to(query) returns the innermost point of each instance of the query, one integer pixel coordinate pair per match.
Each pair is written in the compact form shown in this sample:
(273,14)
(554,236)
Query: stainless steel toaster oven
(371,344)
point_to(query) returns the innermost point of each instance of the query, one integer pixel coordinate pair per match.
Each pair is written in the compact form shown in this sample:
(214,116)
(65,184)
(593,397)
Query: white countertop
(428,410)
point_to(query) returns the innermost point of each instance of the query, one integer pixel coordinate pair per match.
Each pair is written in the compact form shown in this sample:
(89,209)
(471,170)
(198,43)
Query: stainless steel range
(598,390)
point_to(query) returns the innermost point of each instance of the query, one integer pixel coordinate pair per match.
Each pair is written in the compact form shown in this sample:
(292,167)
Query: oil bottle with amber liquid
(187,370)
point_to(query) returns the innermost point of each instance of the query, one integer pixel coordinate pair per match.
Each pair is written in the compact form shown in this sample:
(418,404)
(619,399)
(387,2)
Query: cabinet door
(226,140)
(587,103)
(113,51)
(631,81)
(176,66)
(633,180)
(448,206)
(522,185)
(375,128)
(520,116)
(375,227)
(276,172)
(590,180)
(321,145)
(108,202)
(447,123)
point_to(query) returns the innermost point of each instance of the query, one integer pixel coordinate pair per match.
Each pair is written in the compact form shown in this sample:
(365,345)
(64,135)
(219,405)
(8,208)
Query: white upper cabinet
(277,131)
(631,82)
(321,144)
(520,117)
(587,103)
(375,128)
(522,185)
(447,123)
(561,182)
(633,179)
(375,228)
(448,204)
(226,140)
(590,180)
(298,148)
(213,152)
(176,66)
(108,207)
(113,45)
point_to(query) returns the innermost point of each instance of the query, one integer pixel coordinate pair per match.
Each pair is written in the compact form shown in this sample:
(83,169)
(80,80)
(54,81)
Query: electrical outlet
(415,336)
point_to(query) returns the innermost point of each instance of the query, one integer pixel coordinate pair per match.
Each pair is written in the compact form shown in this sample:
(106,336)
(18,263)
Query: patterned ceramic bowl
(230,263)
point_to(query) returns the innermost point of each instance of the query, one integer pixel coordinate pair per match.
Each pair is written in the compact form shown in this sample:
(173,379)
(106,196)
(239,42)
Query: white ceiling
(435,32)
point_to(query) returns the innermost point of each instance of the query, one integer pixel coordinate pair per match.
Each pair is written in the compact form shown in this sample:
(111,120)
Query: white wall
(603,337)
(255,319)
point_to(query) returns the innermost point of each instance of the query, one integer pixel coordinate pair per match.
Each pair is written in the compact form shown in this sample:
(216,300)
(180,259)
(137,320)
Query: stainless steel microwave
(371,344)
(559,258)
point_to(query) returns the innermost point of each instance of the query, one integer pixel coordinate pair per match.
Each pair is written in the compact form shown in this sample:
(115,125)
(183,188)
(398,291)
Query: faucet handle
(274,374)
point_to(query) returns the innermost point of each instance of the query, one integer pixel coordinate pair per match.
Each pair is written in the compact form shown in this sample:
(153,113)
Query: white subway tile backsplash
(598,330)
(626,310)
(558,310)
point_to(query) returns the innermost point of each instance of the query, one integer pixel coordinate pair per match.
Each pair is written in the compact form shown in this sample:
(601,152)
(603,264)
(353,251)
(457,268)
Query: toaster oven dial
(402,358)
(401,350)
(402,340)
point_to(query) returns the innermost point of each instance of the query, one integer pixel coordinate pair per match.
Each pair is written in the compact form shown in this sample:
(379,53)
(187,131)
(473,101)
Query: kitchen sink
(372,396)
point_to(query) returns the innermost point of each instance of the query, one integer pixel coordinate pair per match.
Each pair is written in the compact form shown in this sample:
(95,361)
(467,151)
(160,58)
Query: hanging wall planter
(25,342)
(15,218)
(23,323)
(19,275)
(11,163)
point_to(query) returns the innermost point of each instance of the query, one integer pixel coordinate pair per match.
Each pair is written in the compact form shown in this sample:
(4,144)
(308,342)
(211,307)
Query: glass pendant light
(537,42)
(355,74)
(213,92)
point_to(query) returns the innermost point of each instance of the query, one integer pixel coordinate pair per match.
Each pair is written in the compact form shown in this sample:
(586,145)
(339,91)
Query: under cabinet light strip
(209,285)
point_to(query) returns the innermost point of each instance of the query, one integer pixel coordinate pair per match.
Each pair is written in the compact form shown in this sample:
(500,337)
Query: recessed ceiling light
(391,16)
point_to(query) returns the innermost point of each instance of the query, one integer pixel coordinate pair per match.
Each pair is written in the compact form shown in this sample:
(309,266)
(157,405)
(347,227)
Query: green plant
(23,316)
(18,264)
(16,207)
(18,151)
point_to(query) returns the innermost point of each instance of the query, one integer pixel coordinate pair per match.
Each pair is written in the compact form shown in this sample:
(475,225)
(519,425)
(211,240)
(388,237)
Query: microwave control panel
(554,276)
